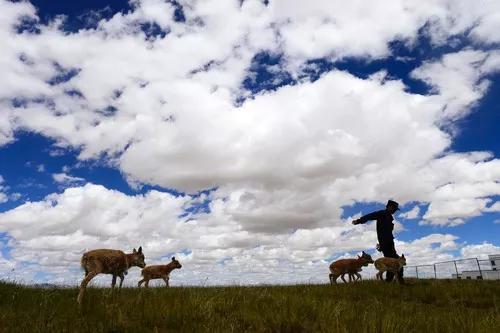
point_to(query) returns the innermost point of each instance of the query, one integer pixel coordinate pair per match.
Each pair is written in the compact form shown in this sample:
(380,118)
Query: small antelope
(349,266)
(105,261)
(158,272)
(354,276)
(389,264)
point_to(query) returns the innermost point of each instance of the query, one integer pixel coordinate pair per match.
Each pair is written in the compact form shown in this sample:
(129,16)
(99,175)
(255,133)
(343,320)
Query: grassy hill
(424,306)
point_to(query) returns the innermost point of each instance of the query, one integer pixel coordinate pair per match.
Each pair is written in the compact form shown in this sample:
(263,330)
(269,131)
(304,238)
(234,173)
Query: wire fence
(470,268)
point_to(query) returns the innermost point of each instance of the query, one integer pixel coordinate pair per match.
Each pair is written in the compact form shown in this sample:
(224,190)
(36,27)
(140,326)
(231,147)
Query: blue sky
(250,143)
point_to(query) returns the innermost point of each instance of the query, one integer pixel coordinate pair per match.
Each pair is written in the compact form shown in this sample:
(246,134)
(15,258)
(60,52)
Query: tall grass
(425,306)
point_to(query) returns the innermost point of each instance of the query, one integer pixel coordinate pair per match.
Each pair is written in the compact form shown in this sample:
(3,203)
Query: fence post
(416,271)
(435,274)
(456,269)
(479,267)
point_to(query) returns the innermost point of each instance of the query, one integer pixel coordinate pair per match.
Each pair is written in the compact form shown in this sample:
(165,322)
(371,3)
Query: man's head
(392,206)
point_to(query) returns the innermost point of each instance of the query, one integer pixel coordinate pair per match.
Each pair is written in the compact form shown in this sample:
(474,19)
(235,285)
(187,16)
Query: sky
(243,137)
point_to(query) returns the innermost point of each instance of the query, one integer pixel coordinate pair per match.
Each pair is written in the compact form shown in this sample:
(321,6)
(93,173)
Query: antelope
(106,261)
(349,266)
(158,272)
(389,264)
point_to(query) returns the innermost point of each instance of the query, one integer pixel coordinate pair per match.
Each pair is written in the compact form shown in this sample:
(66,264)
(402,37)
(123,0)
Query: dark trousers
(389,251)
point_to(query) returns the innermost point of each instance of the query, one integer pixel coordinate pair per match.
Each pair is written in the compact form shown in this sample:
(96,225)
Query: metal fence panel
(410,271)
(485,264)
(426,272)
(446,270)
(470,268)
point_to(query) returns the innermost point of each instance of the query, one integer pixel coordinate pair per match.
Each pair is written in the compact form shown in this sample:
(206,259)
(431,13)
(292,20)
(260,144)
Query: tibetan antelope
(158,272)
(393,265)
(349,266)
(105,261)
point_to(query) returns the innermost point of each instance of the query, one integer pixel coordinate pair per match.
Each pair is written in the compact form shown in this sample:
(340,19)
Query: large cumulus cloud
(172,111)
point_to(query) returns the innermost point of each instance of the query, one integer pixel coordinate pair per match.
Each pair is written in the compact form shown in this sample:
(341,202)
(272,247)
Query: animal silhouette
(392,265)
(107,261)
(158,272)
(349,266)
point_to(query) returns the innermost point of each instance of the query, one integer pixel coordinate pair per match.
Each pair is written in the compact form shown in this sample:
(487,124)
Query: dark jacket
(384,225)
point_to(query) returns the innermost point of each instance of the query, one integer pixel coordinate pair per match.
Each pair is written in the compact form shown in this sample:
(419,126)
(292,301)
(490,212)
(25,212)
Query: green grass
(425,306)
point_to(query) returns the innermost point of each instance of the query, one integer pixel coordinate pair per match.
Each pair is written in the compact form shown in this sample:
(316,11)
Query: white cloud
(494,208)
(458,79)
(336,29)
(428,249)
(6,269)
(88,217)
(51,235)
(15,196)
(308,151)
(480,251)
(3,189)
(411,214)
(285,162)
(457,209)
(65,179)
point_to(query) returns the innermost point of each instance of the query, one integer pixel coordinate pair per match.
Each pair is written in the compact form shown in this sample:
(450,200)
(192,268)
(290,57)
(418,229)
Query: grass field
(424,306)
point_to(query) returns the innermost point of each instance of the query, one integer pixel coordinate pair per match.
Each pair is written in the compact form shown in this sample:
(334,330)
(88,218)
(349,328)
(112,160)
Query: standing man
(384,233)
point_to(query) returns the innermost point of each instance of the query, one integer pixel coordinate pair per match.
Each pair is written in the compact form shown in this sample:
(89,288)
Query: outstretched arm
(367,217)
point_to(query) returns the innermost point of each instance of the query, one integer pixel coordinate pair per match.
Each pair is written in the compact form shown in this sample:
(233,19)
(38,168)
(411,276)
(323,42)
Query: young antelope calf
(106,261)
(349,266)
(159,272)
(390,264)
(354,275)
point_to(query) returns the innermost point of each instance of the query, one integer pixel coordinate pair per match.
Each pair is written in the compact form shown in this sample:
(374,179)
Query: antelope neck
(128,260)
(170,267)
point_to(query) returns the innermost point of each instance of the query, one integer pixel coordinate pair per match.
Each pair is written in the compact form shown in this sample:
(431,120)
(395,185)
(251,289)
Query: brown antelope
(158,272)
(349,266)
(393,265)
(105,261)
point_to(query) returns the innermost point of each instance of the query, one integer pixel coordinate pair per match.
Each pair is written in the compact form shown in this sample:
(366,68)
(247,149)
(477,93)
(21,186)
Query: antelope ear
(173,258)
(402,256)
(140,249)
(134,251)
(363,252)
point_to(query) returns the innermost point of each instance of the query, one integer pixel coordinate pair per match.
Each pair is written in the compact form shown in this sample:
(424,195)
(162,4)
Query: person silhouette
(384,233)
